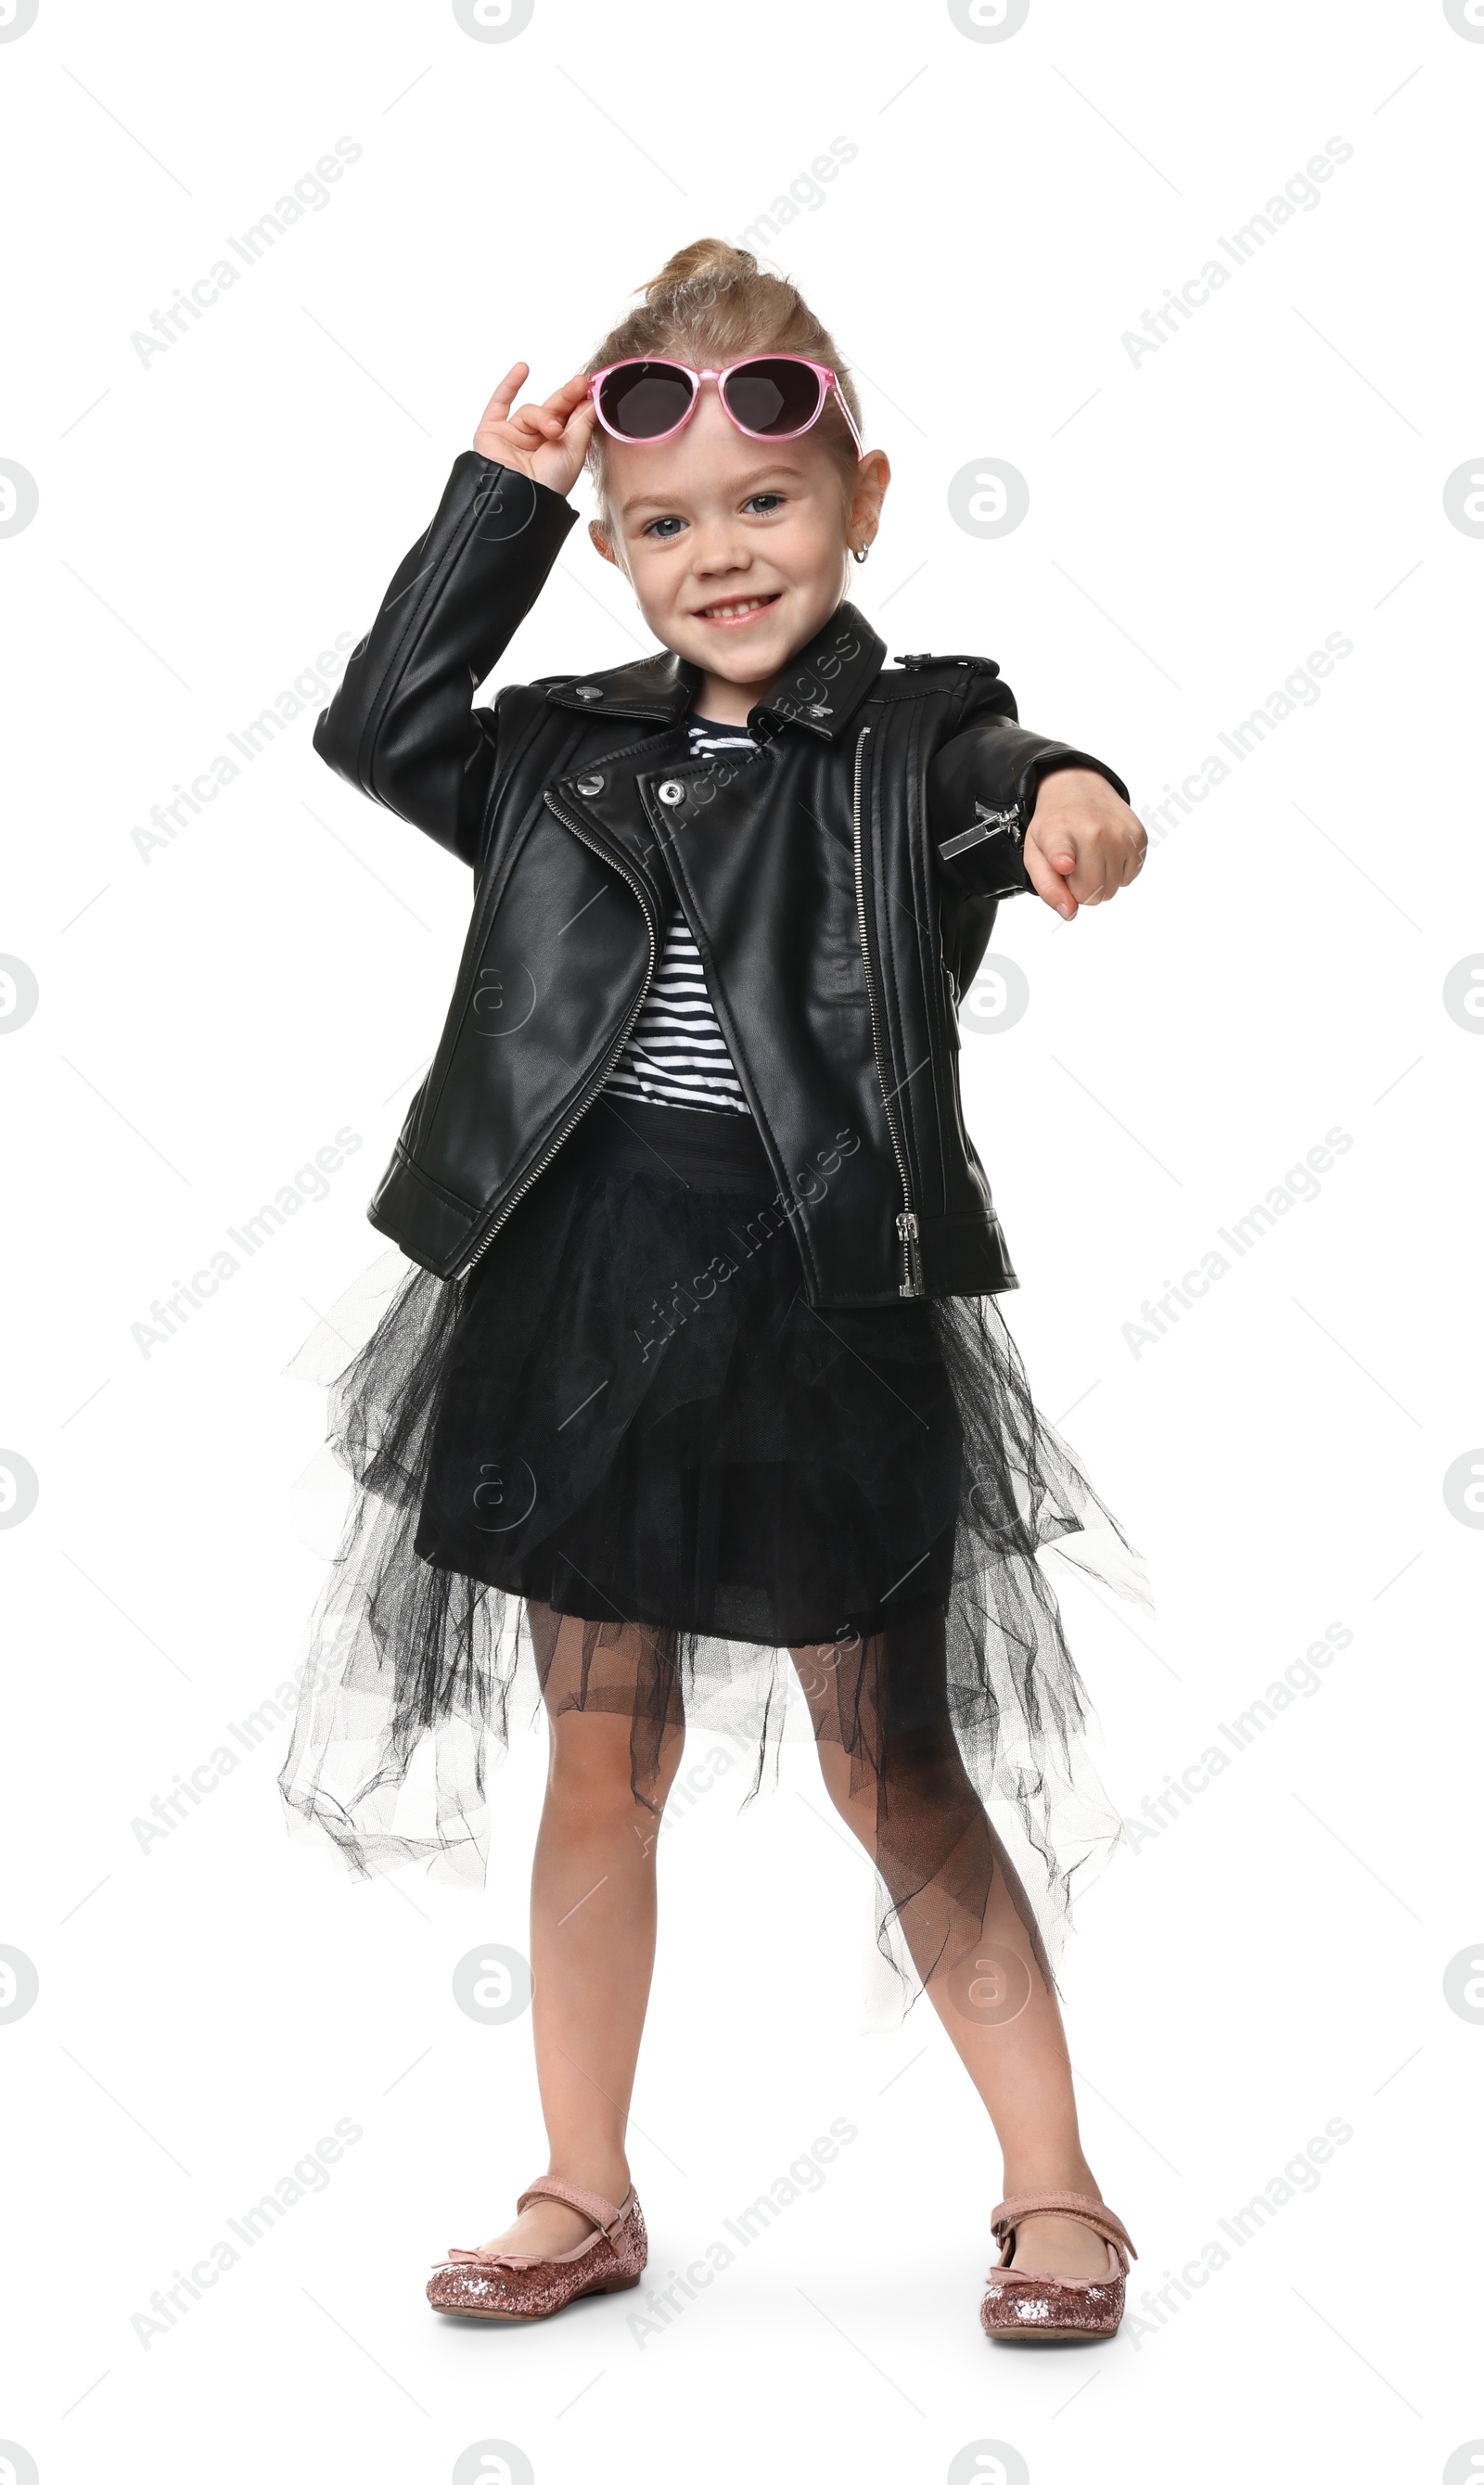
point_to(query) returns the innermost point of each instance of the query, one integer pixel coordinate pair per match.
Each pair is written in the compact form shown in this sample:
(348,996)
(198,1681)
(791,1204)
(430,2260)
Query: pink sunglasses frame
(827,378)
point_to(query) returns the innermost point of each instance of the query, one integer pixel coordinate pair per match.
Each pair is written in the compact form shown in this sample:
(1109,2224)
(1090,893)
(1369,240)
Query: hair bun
(709,257)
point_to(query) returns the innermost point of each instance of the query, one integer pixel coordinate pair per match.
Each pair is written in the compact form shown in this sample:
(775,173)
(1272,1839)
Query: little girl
(698,1385)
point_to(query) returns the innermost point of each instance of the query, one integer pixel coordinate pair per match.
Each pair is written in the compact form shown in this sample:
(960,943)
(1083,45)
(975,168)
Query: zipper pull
(912,1257)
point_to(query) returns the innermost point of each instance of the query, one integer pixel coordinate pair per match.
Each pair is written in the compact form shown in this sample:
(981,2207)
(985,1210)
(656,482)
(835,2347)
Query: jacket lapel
(821,688)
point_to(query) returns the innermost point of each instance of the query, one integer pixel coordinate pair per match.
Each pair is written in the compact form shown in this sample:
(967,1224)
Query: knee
(927,1770)
(917,1775)
(851,1788)
(597,1777)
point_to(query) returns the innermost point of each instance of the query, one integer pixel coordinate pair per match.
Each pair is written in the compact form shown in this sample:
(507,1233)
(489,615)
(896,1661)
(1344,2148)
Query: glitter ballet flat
(1032,2303)
(516,2286)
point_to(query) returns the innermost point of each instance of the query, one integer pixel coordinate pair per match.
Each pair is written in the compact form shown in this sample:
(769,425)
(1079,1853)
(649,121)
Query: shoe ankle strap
(1062,2205)
(591,2204)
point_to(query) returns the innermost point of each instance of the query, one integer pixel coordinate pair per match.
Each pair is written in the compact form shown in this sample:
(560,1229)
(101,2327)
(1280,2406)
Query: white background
(1274,1958)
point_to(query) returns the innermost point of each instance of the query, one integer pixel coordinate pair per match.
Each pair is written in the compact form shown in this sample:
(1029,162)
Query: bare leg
(1018,2063)
(593,1925)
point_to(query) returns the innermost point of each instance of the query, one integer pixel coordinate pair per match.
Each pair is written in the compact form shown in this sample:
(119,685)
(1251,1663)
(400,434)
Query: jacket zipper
(907,1229)
(567,1127)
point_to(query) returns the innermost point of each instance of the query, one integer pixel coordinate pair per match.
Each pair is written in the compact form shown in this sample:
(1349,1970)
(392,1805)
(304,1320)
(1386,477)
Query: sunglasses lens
(643,401)
(773,395)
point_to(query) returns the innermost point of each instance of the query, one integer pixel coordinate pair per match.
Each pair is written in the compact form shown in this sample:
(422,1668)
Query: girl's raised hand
(548,442)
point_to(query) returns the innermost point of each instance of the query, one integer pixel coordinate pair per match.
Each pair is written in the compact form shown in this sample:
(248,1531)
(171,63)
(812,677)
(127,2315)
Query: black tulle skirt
(624,1464)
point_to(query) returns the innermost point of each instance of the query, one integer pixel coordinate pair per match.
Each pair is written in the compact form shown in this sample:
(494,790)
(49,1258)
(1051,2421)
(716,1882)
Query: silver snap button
(671,791)
(589,784)
(587,690)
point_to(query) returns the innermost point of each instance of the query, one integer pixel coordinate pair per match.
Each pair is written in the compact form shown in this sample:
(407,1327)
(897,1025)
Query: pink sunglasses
(770,396)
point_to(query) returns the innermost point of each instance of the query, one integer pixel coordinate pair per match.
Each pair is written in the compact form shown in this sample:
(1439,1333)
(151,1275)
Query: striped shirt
(677,1053)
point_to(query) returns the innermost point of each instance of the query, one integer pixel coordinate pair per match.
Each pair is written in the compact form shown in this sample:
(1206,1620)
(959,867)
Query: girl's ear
(872,475)
(603,545)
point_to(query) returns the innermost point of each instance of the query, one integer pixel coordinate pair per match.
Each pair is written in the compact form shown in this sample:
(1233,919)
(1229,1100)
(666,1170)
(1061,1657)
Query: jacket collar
(822,687)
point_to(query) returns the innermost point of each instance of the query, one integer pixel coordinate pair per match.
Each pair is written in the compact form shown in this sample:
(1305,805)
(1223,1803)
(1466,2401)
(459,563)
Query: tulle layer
(623,1465)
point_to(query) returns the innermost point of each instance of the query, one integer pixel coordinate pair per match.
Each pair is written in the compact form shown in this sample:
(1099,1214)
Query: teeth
(729,612)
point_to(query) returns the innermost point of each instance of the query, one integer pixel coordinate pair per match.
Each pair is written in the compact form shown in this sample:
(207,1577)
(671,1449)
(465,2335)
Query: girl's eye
(773,499)
(660,527)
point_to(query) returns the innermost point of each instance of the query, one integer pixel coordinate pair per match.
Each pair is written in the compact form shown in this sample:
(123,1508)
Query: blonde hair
(712,304)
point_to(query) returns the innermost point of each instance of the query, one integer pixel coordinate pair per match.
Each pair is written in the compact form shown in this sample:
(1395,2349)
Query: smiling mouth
(738,608)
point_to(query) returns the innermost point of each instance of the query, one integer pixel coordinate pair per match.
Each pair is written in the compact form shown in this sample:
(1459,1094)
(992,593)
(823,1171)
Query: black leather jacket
(840,884)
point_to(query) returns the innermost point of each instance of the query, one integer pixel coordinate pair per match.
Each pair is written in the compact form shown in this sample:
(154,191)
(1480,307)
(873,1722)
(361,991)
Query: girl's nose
(719,549)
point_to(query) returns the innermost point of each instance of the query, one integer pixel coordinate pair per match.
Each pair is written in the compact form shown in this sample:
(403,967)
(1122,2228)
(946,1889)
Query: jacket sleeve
(981,790)
(402,726)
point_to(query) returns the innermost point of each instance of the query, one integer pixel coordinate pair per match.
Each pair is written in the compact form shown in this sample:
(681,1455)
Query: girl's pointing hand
(547,442)
(1084,843)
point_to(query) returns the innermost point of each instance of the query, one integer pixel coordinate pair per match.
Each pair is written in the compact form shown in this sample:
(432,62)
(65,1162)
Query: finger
(498,406)
(570,395)
(1048,882)
(1088,882)
(538,422)
(1061,849)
